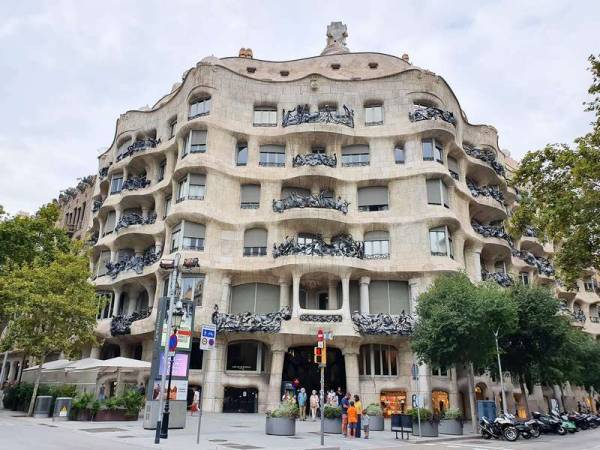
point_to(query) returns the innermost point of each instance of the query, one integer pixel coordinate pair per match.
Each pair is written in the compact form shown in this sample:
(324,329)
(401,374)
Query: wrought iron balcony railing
(486,155)
(341,245)
(486,191)
(130,219)
(121,325)
(136,263)
(491,231)
(543,265)
(250,323)
(301,114)
(320,200)
(315,159)
(420,112)
(384,324)
(502,278)
(135,183)
(138,146)
(97,205)
(103,172)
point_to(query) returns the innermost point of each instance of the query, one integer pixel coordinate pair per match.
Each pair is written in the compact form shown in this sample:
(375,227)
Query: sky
(68,69)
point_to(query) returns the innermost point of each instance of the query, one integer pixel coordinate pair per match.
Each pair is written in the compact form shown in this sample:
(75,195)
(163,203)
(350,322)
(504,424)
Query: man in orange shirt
(352,419)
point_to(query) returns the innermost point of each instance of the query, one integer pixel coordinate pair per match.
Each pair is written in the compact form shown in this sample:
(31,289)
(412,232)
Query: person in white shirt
(314,405)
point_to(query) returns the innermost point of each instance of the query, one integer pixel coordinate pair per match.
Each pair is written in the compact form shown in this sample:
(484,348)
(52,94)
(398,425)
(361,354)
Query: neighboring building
(76,207)
(353,201)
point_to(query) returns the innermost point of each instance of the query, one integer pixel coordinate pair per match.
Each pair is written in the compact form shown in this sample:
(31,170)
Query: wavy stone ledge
(486,155)
(121,325)
(134,219)
(321,318)
(301,114)
(319,200)
(250,323)
(430,113)
(342,245)
(315,159)
(384,324)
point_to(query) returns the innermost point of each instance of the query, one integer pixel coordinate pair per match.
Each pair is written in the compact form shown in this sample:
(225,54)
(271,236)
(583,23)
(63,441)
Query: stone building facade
(335,187)
(76,207)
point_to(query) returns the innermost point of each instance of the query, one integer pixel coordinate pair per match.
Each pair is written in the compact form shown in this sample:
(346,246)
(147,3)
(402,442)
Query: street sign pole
(322,404)
(208,340)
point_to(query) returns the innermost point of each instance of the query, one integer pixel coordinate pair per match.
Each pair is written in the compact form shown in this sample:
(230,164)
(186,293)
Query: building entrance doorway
(240,400)
(299,365)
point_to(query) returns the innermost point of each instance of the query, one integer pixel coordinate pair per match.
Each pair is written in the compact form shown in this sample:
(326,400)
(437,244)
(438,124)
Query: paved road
(585,440)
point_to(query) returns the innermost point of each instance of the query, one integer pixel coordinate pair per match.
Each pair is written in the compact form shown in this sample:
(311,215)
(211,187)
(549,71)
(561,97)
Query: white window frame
(442,196)
(264,116)
(437,149)
(374,112)
(449,251)
(114,178)
(172,127)
(200,107)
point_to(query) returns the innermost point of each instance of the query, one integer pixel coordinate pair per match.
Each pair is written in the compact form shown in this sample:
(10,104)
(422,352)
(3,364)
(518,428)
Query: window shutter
(378,297)
(434,195)
(453,164)
(110,221)
(271,148)
(242,298)
(372,196)
(399,298)
(198,137)
(197,178)
(250,193)
(377,236)
(255,237)
(355,149)
(267,298)
(194,230)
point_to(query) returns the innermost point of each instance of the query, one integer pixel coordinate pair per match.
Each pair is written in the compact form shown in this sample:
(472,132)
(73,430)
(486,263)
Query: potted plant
(451,422)
(81,408)
(282,420)
(429,423)
(332,419)
(121,408)
(375,414)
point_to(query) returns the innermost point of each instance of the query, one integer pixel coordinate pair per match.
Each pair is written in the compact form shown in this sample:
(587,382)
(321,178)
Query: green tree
(457,321)
(52,308)
(563,199)
(529,351)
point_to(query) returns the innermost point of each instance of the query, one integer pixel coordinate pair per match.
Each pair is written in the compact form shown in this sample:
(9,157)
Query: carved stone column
(352,375)
(213,391)
(477,265)
(425,384)
(332,302)
(284,293)
(95,352)
(296,295)
(11,370)
(116,302)
(346,297)
(364,294)
(277,359)
(225,294)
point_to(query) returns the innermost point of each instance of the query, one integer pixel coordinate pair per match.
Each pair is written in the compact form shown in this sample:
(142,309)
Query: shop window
(440,402)
(393,402)
(246,356)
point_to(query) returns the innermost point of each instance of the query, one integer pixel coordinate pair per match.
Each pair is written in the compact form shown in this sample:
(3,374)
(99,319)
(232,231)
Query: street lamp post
(504,406)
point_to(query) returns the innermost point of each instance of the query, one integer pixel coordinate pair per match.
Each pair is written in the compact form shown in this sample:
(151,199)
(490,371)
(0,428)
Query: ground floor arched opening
(393,402)
(240,400)
(440,402)
(300,370)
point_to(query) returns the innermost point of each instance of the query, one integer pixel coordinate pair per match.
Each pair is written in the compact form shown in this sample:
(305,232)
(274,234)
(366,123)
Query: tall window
(500,267)
(241,157)
(116,184)
(433,150)
(172,127)
(441,242)
(196,142)
(388,297)
(193,236)
(192,187)
(168,202)
(123,147)
(111,221)
(257,298)
(200,107)
(102,260)
(377,244)
(250,196)
(272,156)
(453,168)
(355,155)
(399,154)
(255,242)
(437,192)
(161,169)
(588,284)
(524,278)
(373,198)
(265,116)
(192,287)
(105,304)
(374,115)
(246,356)
(378,360)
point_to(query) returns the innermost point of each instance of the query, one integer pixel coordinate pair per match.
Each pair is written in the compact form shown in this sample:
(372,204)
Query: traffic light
(320,355)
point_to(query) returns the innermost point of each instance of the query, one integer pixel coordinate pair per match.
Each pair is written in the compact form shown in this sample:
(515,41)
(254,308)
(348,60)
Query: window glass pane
(191,288)
(116,184)
(439,152)
(377,359)
(267,298)
(434,195)
(437,237)
(196,192)
(399,297)
(182,189)
(242,356)
(243,297)
(444,194)
(242,155)
(399,156)
(427,149)
(373,196)
(175,241)
(255,237)
(378,297)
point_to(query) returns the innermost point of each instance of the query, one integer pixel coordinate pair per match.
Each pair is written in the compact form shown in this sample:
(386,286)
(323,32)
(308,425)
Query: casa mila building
(319,193)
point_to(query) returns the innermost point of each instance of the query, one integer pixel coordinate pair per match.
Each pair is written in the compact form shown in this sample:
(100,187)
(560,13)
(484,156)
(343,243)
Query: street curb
(444,439)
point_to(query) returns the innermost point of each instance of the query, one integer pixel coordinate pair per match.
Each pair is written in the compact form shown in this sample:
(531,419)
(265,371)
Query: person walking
(314,405)
(196,401)
(302,404)
(345,405)
(359,408)
(352,419)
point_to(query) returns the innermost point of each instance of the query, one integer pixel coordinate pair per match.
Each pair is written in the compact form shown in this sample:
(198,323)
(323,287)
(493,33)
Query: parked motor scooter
(565,422)
(549,424)
(522,427)
(501,427)
(580,422)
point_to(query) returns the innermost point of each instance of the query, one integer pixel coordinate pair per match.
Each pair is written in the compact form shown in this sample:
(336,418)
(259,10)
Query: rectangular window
(168,202)
(438,152)
(192,287)
(175,238)
(588,284)
(399,155)
(193,236)
(374,115)
(244,356)
(250,196)
(427,149)
(182,190)
(161,170)
(196,142)
(111,220)
(438,242)
(272,156)
(265,116)
(453,168)
(172,128)
(241,157)
(104,258)
(197,186)
(200,108)
(116,184)
(355,155)
(373,198)
(437,193)
(433,150)
(305,239)
(524,278)
(377,249)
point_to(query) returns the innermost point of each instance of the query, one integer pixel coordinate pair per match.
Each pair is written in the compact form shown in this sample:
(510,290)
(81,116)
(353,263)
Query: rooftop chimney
(337,33)
(246,53)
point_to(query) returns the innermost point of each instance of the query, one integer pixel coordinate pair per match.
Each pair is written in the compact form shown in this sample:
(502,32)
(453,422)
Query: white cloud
(68,68)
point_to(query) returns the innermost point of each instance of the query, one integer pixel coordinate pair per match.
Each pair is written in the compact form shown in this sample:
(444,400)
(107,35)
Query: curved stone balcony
(130,219)
(250,323)
(384,324)
(491,231)
(135,263)
(486,156)
(542,264)
(134,183)
(120,325)
(138,146)
(485,191)
(502,278)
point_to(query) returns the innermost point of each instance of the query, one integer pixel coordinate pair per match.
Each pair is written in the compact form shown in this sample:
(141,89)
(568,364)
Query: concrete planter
(81,415)
(113,415)
(428,429)
(280,426)
(376,423)
(451,426)
(332,426)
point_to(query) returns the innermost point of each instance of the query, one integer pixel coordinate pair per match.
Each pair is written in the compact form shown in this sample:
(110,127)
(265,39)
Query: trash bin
(62,408)
(42,406)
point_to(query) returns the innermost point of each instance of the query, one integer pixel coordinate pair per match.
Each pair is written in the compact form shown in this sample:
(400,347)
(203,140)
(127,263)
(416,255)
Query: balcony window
(439,371)
(246,357)
(172,128)
(265,116)
(318,150)
(193,236)
(111,221)
(388,297)
(305,238)
(440,242)
(355,155)
(102,260)
(437,192)
(192,287)
(105,304)
(373,198)
(377,244)
(288,191)
(588,284)
(255,298)
(192,187)
(175,238)
(399,155)
(433,150)
(378,360)
(196,142)
(500,267)
(168,202)
(374,115)
(241,156)
(453,168)
(255,242)
(116,184)
(524,278)
(122,148)
(250,196)
(161,169)
(200,107)
(272,156)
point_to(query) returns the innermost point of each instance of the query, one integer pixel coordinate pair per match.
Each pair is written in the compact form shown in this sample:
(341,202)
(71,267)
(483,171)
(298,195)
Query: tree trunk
(36,386)
(524,395)
(562,397)
(471,381)
(22,368)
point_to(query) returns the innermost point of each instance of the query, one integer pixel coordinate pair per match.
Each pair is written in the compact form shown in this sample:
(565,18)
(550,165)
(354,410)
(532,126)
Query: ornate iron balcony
(121,325)
(301,114)
(486,191)
(491,231)
(578,315)
(315,159)
(502,278)
(530,232)
(342,245)
(486,155)
(319,200)
(543,265)
(250,323)
(136,263)
(135,183)
(430,113)
(97,205)
(130,219)
(103,172)
(138,146)
(384,324)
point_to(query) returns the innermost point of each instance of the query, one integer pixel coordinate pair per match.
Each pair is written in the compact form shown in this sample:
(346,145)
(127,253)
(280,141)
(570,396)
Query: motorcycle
(580,422)
(501,427)
(549,424)
(522,427)
(565,422)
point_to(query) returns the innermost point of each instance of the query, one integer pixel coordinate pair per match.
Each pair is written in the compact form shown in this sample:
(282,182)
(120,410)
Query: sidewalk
(219,432)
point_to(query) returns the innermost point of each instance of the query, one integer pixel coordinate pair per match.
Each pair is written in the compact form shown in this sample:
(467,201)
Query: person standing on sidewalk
(345,403)
(352,419)
(302,403)
(358,406)
(314,405)
(195,401)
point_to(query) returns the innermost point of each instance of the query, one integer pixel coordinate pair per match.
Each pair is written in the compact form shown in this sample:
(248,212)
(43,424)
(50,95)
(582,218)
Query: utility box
(42,406)
(62,408)
(177,416)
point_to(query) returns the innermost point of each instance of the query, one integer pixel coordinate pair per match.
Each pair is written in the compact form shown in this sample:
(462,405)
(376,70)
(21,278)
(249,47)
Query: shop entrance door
(299,365)
(240,400)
